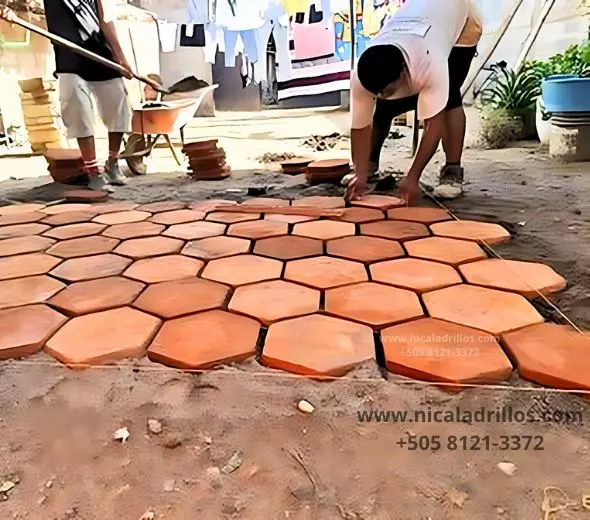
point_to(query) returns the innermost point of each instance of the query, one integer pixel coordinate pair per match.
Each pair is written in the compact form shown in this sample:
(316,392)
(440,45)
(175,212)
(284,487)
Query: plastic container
(566,94)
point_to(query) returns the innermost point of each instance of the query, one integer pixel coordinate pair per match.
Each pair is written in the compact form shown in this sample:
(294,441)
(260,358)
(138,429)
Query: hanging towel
(192,35)
(168,33)
(198,11)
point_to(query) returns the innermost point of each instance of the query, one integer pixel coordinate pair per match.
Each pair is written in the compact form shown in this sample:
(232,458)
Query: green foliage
(499,127)
(513,91)
(574,60)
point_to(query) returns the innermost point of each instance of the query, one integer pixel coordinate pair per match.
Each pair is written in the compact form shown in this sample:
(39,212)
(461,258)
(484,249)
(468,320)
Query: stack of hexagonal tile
(194,287)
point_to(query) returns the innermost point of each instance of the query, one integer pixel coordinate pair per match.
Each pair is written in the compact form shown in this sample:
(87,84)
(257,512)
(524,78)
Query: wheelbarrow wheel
(135,153)
(137,165)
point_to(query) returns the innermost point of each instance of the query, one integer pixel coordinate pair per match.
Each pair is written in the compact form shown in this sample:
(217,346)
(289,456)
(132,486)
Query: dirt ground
(57,425)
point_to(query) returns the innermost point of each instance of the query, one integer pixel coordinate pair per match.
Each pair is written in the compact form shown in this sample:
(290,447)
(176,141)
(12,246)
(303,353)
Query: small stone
(457,498)
(524,183)
(305,406)
(556,219)
(233,464)
(42,500)
(6,486)
(448,191)
(173,441)
(500,510)
(214,477)
(169,486)
(148,515)
(49,483)
(507,468)
(122,434)
(154,426)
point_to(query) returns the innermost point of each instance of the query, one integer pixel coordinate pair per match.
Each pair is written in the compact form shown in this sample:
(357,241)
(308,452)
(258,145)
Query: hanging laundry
(198,11)
(240,15)
(168,32)
(296,6)
(192,35)
(248,39)
(280,34)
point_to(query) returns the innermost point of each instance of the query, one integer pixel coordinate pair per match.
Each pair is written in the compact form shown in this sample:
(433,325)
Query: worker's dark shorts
(459,64)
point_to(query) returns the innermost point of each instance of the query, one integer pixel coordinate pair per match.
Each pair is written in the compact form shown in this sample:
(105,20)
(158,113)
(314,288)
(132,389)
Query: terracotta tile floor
(193,287)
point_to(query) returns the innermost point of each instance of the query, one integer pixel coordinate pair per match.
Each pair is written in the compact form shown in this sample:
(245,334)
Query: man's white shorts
(77,98)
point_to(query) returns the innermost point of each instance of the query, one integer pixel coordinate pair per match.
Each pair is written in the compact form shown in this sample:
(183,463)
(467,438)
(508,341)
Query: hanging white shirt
(249,14)
(198,11)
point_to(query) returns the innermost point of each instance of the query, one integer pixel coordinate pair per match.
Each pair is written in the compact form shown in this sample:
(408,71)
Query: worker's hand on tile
(354,189)
(409,191)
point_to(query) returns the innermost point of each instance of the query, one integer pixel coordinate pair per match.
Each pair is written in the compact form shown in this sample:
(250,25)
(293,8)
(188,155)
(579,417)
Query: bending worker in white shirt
(419,60)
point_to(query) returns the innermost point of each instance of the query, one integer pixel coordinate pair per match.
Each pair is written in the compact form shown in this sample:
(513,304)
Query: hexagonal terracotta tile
(435,350)
(20,208)
(551,355)
(490,234)
(216,247)
(365,249)
(526,278)
(289,219)
(96,295)
(382,202)
(226,217)
(23,245)
(421,215)
(22,230)
(151,246)
(417,275)
(103,337)
(195,230)
(26,291)
(317,345)
(164,269)
(320,202)
(66,208)
(179,216)
(75,231)
(258,229)
(133,230)
(289,247)
(324,229)
(83,247)
(242,270)
(494,311)
(163,206)
(70,217)
(32,264)
(113,207)
(373,304)
(21,218)
(24,330)
(325,272)
(122,217)
(276,300)
(395,230)
(446,250)
(211,204)
(182,297)
(91,268)
(205,340)
(360,215)
(266,201)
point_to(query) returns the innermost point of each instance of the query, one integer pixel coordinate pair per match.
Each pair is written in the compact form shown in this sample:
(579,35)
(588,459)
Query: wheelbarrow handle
(58,40)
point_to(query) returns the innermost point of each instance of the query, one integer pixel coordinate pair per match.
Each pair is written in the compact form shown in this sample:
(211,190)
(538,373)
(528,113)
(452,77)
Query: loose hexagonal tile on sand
(164,269)
(151,246)
(86,246)
(122,217)
(24,245)
(91,268)
(182,297)
(70,217)
(242,270)
(275,300)
(258,229)
(32,264)
(96,295)
(58,209)
(163,206)
(365,249)
(490,234)
(75,231)
(493,311)
(446,250)
(216,247)
(317,345)
(24,330)
(360,215)
(103,337)
(133,230)
(319,201)
(227,217)
(195,230)
(324,229)
(20,218)
(22,230)
(205,340)
(27,291)
(373,304)
(551,355)
(20,208)
(179,216)
(395,230)
(382,202)
(289,247)
(414,274)
(421,215)
(526,278)
(435,350)
(324,272)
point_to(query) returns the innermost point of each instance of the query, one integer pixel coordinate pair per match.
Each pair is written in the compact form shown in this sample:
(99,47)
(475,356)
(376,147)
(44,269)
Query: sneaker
(451,174)
(98,183)
(374,174)
(114,175)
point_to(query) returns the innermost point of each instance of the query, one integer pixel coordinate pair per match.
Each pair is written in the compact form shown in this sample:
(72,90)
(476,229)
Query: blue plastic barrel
(566,93)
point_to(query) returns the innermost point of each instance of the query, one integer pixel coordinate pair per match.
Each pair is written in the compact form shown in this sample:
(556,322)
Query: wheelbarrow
(160,119)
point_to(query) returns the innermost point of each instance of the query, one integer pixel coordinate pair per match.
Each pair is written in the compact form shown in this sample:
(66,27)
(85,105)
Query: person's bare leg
(114,174)
(96,181)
